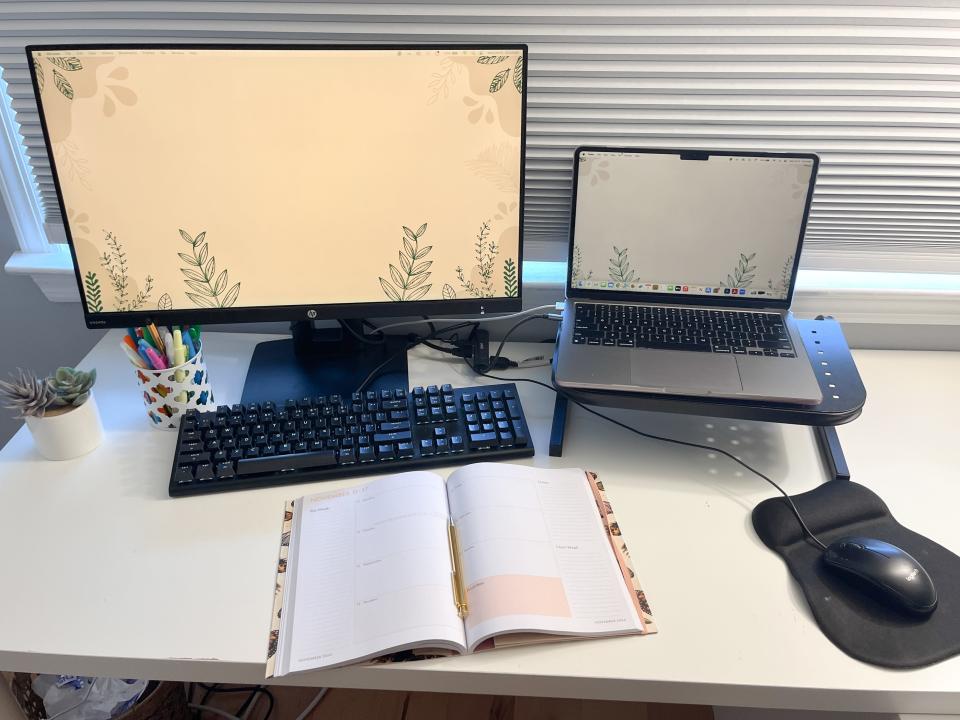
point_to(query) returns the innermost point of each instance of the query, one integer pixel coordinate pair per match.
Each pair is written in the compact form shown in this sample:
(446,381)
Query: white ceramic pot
(69,434)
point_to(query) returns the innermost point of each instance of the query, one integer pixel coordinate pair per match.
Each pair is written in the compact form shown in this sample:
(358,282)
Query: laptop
(681,271)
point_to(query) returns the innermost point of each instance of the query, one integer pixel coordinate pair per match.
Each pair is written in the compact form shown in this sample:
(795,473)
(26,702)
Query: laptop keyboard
(680,328)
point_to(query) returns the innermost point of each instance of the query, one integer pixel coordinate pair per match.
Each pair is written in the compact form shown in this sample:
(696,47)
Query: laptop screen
(692,224)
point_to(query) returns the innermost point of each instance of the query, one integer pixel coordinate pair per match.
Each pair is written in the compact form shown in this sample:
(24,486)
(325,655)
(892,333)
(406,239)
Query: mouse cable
(675,441)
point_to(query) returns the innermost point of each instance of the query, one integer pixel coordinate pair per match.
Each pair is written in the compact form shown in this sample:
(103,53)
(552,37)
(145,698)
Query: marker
(156,360)
(157,338)
(142,352)
(144,334)
(132,344)
(168,347)
(188,344)
(195,335)
(133,356)
(132,333)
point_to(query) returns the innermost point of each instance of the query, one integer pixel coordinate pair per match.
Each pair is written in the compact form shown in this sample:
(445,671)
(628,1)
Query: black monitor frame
(304,312)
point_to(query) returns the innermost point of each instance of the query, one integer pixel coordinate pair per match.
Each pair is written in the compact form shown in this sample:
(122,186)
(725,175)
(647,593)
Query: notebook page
(371,574)
(535,554)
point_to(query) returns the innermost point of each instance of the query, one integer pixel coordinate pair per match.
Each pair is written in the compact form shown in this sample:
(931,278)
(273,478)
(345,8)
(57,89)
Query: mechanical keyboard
(678,328)
(242,447)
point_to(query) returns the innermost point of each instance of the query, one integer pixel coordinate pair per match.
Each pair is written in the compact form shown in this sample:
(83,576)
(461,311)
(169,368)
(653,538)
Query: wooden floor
(387,705)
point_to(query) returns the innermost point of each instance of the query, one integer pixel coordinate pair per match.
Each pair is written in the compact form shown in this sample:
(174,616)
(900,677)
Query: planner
(412,565)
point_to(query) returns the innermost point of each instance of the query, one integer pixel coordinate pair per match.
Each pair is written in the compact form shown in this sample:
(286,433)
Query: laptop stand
(840,383)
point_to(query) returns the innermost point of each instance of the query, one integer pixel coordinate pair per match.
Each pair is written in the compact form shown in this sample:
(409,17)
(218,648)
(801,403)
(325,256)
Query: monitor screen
(693,224)
(210,179)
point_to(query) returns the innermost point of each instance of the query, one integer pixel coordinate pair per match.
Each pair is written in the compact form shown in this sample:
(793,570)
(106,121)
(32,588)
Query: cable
(312,704)
(675,441)
(412,342)
(472,320)
(493,361)
(359,336)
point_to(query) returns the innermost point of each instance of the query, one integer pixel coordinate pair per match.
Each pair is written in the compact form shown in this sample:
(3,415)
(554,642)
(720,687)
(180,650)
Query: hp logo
(311,314)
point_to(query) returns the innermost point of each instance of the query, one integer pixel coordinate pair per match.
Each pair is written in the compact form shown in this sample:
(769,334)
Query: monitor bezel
(272,313)
(678,298)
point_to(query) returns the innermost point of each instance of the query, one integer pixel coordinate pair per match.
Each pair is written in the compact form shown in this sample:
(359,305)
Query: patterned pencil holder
(168,394)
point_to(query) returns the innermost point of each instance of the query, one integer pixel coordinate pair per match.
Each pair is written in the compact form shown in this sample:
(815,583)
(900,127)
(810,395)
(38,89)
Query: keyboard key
(483,440)
(203,472)
(426,446)
(224,470)
(456,443)
(365,453)
(392,436)
(183,475)
(385,451)
(404,449)
(442,445)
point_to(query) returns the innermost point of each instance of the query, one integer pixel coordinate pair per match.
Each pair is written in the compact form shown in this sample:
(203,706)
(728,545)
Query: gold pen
(456,577)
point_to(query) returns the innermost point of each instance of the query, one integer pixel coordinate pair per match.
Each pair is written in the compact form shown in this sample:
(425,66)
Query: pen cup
(168,394)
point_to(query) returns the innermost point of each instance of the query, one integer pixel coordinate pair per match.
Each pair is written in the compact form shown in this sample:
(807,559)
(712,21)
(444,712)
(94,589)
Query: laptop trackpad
(690,370)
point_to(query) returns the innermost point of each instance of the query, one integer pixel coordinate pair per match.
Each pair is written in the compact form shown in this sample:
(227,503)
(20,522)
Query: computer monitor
(238,183)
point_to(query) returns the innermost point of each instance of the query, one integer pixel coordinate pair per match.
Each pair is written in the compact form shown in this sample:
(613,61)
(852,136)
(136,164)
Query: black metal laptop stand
(843,398)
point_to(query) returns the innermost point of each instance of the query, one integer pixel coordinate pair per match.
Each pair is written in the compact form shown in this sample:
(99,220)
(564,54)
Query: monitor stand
(323,361)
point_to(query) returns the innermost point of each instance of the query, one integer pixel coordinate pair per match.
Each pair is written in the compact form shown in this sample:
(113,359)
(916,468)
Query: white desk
(103,574)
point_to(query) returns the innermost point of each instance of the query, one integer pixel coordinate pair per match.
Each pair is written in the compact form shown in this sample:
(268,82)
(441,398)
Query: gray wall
(35,333)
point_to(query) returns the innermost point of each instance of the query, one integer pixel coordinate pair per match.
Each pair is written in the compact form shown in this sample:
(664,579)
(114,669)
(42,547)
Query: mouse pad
(852,616)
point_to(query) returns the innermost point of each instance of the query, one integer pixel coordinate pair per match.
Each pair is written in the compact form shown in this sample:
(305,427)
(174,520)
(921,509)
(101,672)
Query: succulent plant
(29,395)
(72,386)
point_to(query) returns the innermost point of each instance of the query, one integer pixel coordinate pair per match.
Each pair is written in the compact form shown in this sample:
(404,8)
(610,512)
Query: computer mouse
(893,572)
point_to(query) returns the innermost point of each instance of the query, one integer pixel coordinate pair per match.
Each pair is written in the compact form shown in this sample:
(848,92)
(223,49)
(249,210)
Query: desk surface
(106,575)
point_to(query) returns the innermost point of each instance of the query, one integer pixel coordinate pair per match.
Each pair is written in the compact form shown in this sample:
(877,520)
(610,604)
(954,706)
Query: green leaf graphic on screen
(620,270)
(498,80)
(70,64)
(38,69)
(63,85)
(485,251)
(209,289)
(491,59)
(410,278)
(518,75)
(510,287)
(743,273)
(114,261)
(91,287)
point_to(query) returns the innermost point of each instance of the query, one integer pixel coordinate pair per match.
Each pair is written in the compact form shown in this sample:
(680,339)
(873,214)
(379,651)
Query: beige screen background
(222,178)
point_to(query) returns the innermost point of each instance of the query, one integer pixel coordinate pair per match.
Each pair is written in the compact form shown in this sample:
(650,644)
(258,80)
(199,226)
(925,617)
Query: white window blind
(873,88)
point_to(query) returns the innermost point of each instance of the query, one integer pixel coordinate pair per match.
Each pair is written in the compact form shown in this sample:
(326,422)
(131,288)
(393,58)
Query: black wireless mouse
(895,573)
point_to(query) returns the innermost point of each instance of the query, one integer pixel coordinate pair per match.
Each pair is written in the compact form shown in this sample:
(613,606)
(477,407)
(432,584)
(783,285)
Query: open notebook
(496,555)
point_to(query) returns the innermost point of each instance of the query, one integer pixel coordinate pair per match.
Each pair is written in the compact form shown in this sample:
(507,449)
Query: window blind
(873,88)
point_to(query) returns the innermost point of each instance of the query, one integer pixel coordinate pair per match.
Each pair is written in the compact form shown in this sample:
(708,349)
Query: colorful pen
(156,360)
(142,352)
(168,347)
(134,357)
(188,344)
(155,334)
(195,335)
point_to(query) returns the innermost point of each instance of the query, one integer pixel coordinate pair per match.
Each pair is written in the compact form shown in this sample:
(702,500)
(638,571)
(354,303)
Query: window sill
(849,296)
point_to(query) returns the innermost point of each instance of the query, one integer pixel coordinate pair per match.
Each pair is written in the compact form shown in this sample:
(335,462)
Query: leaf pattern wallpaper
(411,195)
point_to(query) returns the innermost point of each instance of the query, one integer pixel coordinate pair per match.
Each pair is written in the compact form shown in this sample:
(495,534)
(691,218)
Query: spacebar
(286,463)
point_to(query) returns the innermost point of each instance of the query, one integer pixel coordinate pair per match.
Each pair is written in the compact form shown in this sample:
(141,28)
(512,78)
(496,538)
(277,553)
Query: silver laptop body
(681,271)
